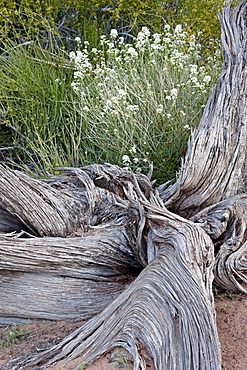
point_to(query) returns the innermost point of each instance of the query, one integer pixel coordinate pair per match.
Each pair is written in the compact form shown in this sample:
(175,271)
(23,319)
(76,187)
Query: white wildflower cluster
(143,38)
(132,159)
(114,33)
(198,78)
(82,62)
(141,89)
(173,94)
(117,103)
(173,48)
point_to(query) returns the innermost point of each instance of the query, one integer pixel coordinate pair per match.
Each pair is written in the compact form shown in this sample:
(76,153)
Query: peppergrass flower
(114,33)
(142,95)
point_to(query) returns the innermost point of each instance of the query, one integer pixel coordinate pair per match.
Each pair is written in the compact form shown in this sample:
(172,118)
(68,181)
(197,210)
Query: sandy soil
(34,337)
(232,329)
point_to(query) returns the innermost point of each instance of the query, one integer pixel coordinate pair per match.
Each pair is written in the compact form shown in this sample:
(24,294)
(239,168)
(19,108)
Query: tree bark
(102,231)
(214,168)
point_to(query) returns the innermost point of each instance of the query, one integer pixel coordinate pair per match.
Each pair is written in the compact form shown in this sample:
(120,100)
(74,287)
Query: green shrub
(21,19)
(37,106)
(202,16)
(92,18)
(139,102)
(130,104)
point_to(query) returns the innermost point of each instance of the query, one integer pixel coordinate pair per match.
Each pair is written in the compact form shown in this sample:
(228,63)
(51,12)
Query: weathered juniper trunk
(101,240)
(215,166)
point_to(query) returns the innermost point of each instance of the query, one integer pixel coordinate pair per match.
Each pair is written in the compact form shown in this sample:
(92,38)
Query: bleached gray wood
(48,297)
(119,225)
(128,230)
(63,278)
(42,209)
(214,168)
(168,308)
(226,223)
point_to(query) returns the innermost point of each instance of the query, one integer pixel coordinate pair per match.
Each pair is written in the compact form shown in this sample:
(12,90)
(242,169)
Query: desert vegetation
(116,212)
(157,68)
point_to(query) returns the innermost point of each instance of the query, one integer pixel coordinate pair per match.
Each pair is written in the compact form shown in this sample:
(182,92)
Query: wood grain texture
(43,296)
(45,211)
(226,223)
(168,308)
(128,230)
(108,233)
(214,168)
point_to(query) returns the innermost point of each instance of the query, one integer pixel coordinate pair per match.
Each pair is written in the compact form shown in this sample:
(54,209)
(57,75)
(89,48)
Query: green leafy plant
(139,102)
(224,307)
(13,335)
(120,362)
(47,327)
(37,107)
(81,365)
(223,295)
(128,104)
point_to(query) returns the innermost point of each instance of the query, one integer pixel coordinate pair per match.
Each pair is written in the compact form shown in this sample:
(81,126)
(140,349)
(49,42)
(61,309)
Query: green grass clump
(89,19)
(13,335)
(37,107)
(202,16)
(139,102)
(127,104)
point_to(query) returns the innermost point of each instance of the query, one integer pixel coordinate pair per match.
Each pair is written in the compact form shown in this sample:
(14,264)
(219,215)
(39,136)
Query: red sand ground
(231,322)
